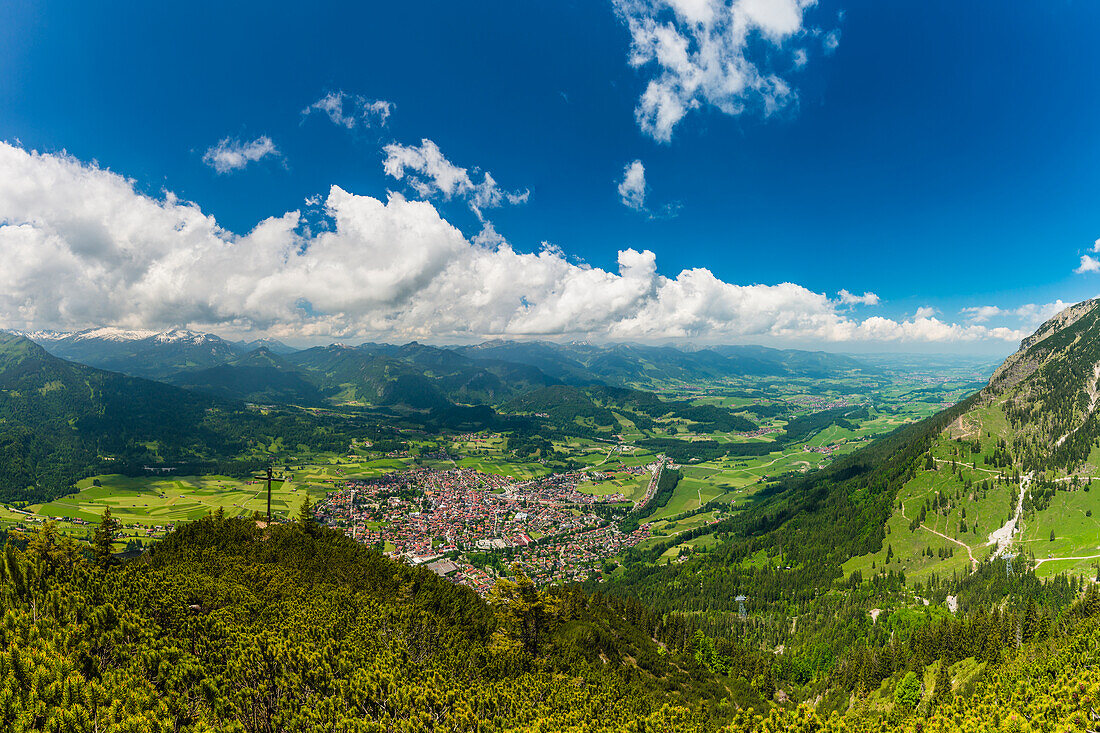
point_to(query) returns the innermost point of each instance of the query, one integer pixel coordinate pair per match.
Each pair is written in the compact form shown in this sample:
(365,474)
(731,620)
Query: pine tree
(942,692)
(521,610)
(104,538)
(305,514)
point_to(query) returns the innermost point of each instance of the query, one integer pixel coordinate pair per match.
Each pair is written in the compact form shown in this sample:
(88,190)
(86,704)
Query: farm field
(159,502)
(631,486)
(502,466)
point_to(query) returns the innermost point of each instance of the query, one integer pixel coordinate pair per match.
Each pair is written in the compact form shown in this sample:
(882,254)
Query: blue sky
(942,155)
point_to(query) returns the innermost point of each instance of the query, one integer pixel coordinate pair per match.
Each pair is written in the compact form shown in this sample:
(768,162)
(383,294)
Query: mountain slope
(143,353)
(1049,390)
(273,345)
(647,366)
(260,376)
(58,420)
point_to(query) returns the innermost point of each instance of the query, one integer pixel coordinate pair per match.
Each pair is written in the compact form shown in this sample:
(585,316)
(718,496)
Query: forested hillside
(636,365)
(571,409)
(228,626)
(61,422)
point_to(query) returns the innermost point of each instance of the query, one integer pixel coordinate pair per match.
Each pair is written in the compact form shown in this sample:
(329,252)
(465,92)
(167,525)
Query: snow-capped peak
(110,333)
(37,336)
(179,335)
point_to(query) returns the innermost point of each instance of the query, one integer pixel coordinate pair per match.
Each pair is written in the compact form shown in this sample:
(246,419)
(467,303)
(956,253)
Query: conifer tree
(305,514)
(104,538)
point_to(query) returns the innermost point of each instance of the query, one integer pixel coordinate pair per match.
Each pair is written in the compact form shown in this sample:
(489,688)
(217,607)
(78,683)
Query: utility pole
(268,478)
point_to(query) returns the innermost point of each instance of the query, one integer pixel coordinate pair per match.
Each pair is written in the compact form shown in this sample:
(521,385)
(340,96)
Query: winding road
(973,561)
(1039,561)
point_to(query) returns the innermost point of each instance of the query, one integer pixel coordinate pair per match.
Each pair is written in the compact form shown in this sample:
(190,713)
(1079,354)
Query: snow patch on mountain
(109,333)
(37,336)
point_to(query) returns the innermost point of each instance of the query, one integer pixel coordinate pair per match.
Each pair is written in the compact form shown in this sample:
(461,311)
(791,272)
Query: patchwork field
(159,502)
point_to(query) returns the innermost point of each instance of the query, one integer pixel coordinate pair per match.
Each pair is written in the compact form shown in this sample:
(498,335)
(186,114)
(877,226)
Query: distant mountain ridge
(259,376)
(638,365)
(414,374)
(139,353)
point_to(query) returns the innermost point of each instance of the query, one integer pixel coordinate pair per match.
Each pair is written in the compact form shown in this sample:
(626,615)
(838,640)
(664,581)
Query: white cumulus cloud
(719,53)
(632,187)
(1088,264)
(231,154)
(1030,314)
(430,174)
(924,313)
(847,298)
(82,247)
(352,110)
(982,313)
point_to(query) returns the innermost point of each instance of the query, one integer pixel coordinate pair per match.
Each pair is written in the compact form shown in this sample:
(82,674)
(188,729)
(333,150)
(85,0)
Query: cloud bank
(1030,315)
(82,248)
(847,298)
(733,55)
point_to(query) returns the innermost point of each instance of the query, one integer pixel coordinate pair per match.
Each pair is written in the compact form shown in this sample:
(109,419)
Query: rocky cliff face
(1049,391)
(1032,352)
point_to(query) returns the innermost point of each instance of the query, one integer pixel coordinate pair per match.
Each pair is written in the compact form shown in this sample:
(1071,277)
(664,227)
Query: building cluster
(448,519)
(573,557)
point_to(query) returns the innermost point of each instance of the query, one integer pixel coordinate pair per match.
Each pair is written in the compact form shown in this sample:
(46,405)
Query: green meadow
(159,502)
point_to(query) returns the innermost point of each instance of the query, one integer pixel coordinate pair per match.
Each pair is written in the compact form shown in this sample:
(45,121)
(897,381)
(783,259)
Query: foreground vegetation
(226,626)
(229,626)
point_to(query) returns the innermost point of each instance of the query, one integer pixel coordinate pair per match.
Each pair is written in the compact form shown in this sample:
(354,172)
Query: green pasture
(502,466)
(631,486)
(162,501)
(1076,533)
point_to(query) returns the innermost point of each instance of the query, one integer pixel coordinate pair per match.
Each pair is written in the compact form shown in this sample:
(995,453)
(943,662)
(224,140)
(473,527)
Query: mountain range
(414,374)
